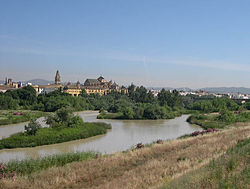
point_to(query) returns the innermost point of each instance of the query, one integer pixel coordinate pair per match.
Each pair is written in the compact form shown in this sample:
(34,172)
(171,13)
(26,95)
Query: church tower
(57,78)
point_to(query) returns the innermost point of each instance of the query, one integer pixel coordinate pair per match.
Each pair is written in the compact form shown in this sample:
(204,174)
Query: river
(123,135)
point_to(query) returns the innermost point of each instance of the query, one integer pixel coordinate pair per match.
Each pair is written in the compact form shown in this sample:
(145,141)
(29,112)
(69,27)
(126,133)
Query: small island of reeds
(63,127)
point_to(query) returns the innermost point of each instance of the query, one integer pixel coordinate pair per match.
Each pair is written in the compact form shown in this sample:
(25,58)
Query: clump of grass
(26,167)
(181,158)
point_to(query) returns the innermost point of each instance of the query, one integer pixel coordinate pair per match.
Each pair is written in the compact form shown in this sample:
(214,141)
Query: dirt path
(145,168)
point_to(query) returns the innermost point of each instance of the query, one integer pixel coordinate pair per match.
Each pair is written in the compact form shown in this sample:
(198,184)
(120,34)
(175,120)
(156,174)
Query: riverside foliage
(28,166)
(63,127)
(220,120)
(138,103)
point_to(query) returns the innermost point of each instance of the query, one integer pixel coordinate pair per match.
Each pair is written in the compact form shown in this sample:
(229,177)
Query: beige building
(51,87)
(74,90)
(91,86)
(8,85)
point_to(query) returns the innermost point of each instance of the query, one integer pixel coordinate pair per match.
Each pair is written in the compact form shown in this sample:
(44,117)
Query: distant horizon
(52,81)
(179,43)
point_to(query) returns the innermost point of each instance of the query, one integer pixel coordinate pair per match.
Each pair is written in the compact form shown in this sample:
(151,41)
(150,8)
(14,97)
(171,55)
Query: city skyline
(152,43)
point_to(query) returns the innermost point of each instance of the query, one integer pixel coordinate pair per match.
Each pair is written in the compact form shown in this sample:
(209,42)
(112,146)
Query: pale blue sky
(177,43)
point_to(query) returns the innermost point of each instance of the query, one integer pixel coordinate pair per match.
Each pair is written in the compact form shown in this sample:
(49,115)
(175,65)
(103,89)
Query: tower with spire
(57,78)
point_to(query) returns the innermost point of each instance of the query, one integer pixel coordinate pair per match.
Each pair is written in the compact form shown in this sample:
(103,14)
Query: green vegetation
(232,170)
(47,136)
(220,120)
(32,127)
(8,117)
(214,105)
(110,116)
(25,98)
(28,166)
(63,127)
(138,103)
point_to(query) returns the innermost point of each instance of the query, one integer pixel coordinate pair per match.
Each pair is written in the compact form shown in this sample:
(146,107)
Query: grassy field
(8,117)
(148,167)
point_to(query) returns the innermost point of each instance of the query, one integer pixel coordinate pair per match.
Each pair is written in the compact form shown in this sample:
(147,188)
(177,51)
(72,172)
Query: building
(91,86)
(94,86)
(9,85)
(44,89)
(57,78)
(74,90)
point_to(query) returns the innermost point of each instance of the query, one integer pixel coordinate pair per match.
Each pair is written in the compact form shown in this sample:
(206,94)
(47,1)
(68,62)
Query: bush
(62,118)
(32,127)
(6,173)
(227,116)
(211,124)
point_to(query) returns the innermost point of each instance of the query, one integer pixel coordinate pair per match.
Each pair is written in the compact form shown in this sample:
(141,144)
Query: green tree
(32,127)
(227,116)
(128,113)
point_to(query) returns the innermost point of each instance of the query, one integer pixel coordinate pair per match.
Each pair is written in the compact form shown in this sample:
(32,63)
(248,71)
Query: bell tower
(57,78)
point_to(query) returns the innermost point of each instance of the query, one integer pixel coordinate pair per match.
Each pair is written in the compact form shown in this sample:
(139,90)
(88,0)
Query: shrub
(139,145)
(227,116)
(32,127)
(102,111)
(5,173)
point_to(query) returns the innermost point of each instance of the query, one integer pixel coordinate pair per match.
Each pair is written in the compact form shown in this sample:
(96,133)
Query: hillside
(221,90)
(228,90)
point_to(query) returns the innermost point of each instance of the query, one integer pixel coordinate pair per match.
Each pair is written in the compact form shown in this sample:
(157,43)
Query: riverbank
(219,120)
(30,166)
(18,116)
(142,168)
(121,116)
(45,136)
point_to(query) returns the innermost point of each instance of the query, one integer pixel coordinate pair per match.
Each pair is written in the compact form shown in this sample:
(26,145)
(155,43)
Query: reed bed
(26,167)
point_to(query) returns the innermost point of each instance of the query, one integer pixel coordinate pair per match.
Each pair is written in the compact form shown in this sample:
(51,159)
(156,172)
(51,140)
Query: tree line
(138,103)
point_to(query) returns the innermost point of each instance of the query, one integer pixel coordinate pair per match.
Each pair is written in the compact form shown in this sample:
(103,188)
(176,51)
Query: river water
(123,135)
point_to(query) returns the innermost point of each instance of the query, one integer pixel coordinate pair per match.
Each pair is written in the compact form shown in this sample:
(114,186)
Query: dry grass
(145,168)
(231,170)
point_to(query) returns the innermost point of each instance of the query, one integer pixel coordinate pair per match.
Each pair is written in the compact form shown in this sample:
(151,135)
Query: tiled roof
(92,81)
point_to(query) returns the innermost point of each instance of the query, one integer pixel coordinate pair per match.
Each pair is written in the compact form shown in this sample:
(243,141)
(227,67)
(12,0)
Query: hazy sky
(174,43)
